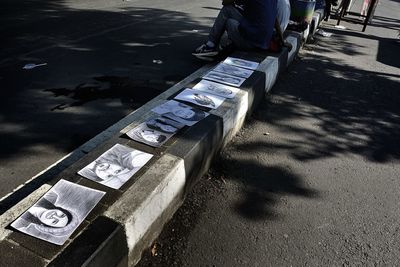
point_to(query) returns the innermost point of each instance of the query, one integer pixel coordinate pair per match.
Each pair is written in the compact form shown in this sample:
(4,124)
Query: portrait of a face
(216,89)
(56,215)
(163,125)
(219,90)
(115,166)
(233,70)
(184,113)
(200,98)
(224,78)
(54,218)
(157,125)
(241,63)
(108,170)
(180,112)
(203,100)
(152,136)
(146,135)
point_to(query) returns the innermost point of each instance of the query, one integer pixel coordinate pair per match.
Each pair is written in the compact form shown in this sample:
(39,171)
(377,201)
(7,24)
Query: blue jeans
(228,20)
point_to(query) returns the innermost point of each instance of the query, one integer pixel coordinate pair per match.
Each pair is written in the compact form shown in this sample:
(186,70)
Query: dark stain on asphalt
(129,91)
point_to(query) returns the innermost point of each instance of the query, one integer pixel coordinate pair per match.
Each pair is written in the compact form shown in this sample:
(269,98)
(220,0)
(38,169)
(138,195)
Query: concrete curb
(127,220)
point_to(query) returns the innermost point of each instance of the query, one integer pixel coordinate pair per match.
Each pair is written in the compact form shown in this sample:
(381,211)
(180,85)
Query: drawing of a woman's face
(54,218)
(184,113)
(107,171)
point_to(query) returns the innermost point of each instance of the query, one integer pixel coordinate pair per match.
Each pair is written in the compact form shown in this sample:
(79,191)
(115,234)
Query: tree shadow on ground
(261,185)
(324,108)
(353,111)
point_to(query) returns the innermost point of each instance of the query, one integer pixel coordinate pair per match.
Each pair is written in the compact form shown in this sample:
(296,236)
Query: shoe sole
(208,54)
(205,58)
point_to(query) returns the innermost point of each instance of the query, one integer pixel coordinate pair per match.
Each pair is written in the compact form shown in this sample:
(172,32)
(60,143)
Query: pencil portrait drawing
(216,89)
(180,112)
(116,166)
(200,98)
(56,215)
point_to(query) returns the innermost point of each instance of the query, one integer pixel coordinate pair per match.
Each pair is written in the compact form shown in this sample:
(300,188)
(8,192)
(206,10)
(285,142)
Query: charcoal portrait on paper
(59,212)
(116,166)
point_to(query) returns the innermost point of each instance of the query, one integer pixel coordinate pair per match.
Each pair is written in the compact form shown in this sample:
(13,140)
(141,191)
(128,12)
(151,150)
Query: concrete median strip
(129,219)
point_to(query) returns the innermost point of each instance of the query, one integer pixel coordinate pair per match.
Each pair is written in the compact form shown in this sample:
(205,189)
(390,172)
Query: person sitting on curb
(249,25)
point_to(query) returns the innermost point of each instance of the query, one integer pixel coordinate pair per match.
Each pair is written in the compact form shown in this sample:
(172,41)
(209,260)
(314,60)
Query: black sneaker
(205,51)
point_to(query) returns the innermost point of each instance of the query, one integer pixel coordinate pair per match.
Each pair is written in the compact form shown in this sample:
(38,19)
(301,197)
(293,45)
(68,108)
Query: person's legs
(210,48)
(219,27)
(232,28)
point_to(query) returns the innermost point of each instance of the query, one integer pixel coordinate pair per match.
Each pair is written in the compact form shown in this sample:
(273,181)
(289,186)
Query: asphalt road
(313,178)
(104,60)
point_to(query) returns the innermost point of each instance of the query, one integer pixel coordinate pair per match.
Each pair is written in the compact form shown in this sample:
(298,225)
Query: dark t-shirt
(258,22)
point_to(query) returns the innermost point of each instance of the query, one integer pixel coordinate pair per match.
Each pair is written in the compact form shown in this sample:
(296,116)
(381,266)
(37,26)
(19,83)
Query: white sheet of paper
(233,70)
(224,78)
(200,98)
(241,63)
(115,166)
(216,89)
(56,215)
(180,112)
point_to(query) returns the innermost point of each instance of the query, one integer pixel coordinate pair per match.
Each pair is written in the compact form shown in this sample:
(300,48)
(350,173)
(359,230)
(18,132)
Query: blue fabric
(258,22)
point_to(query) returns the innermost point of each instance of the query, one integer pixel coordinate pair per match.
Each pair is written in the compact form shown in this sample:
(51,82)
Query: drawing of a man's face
(54,218)
(107,171)
(184,113)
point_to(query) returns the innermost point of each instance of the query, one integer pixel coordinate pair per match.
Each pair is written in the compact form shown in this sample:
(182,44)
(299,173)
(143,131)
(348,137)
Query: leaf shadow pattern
(352,111)
(261,186)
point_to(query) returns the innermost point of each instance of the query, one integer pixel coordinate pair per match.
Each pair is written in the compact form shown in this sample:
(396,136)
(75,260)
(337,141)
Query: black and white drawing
(233,70)
(116,166)
(241,63)
(216,89)
(224,78)
(180,112)
(59,212)
(164,125)
(142,133)
(200,98)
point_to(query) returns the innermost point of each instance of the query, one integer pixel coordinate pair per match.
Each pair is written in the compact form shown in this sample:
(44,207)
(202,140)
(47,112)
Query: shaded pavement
(104,60)
(313,177)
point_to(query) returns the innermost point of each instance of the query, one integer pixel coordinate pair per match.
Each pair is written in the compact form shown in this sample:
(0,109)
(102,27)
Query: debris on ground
(33,65)
(154,249)
(323,33)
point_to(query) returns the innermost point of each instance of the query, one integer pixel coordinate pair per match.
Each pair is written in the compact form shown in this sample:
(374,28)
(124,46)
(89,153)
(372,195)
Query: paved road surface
(313,179)
(104,60)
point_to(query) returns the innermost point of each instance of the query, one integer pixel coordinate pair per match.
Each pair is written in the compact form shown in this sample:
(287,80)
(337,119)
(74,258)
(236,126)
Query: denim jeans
(228,20)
